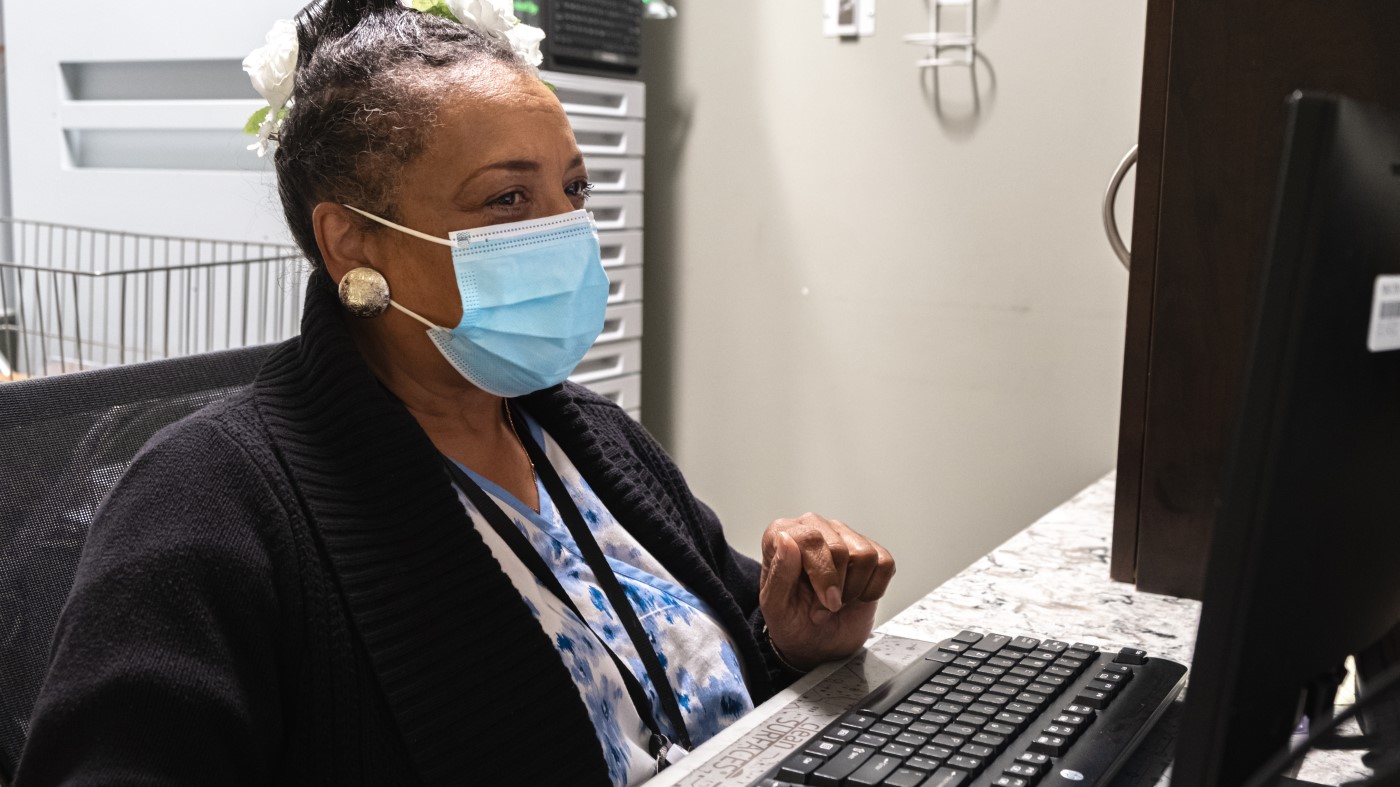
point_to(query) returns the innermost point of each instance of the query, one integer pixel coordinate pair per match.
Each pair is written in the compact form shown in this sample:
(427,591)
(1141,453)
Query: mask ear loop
(414,233)
(403,229)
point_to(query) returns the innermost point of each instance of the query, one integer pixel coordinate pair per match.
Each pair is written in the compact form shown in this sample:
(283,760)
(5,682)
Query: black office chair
(64,442)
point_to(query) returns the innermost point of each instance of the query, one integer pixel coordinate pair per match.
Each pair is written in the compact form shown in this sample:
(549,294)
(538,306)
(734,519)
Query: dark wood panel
(1231,67)
(1152,118)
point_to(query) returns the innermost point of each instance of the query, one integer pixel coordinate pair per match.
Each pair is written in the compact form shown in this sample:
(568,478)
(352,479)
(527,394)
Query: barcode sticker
(1385,315)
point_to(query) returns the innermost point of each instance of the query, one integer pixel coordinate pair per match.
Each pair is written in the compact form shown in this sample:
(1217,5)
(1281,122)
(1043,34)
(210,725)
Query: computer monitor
(1305,561)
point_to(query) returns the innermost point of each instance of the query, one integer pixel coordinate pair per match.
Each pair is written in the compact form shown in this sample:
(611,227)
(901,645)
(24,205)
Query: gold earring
(364,292)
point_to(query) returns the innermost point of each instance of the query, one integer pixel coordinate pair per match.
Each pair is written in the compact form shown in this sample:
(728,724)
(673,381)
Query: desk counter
(1048,581)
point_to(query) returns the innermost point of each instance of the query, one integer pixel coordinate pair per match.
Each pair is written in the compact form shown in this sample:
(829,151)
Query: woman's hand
(819,586)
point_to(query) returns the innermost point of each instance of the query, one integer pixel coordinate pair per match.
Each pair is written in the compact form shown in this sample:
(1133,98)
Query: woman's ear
(341,239)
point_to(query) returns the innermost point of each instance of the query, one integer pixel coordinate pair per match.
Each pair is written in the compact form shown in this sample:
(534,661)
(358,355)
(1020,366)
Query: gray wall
(891,310)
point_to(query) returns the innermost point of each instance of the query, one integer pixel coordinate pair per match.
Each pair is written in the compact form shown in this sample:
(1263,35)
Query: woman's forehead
(520,118)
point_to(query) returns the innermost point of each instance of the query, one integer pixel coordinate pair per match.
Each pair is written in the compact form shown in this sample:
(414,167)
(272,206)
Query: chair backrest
(64,442)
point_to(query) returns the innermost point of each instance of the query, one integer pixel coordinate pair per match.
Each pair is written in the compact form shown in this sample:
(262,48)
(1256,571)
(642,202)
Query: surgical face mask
(533,298)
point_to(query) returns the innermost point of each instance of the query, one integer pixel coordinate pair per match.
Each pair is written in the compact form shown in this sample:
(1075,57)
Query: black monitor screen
(1305,561)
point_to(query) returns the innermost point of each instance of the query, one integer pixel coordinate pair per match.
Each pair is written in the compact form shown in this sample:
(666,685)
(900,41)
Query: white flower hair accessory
(272,66)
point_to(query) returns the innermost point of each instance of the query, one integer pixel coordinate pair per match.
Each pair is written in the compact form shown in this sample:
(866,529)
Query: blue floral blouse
(697,654)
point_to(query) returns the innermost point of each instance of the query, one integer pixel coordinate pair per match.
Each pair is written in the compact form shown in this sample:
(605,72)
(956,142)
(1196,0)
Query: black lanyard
(593,556)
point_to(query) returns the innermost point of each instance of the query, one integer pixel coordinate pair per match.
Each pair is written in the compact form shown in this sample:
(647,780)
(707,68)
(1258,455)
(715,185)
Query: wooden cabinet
(1210,135)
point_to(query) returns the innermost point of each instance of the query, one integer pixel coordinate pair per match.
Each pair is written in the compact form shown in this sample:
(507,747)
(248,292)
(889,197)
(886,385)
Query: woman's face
(501,151)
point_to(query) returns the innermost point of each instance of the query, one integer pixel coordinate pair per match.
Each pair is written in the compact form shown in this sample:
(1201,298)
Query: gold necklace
(511,421)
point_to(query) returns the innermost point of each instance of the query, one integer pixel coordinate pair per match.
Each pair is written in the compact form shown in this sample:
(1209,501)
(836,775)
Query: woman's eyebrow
(517,165)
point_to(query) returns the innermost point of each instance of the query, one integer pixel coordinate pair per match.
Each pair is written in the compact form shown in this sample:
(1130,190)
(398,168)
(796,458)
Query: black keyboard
(988,709)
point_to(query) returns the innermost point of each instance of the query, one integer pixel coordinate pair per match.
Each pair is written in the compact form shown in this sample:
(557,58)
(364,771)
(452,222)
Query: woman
(408,556)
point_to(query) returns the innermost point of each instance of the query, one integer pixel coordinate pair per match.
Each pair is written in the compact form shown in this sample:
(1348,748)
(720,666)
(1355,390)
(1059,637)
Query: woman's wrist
(778,653)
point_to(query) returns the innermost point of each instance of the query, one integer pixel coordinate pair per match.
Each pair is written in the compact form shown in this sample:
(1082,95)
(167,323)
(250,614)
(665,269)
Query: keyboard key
(1001,661)
(1004,689)
(1007,780)
(1014,719)
(1054,646)
(1102,685)
(1094,699)
(960,698)
(1028,673)
(979,655)
(835,771)
(1055,670)
(975,720)
(923,728)
(919,698)
(983,709)
(1053,745)
(1081,710)
(1084,647)
(1043,688)
(1001,728)
(911,739)
(1044,655)
(994,742)
(1071,720)
(874,771)
(977,751)
(951,707)
(969,764)
(857,720)
(971,689)
(1033,699)
(1121,669)
(947,777)
(1062,730)
(947,681)
(992,670)
(873,741)
(1023,769)
(1021,707)
(957,672)
(798,767)
(1035,664)
(1033,758)
(990,697)
(841,734)
(886,729)
(1073,664)
(967,637)
(906,777)
(936,717)
(823,748)
(953,647)
(1130,656)
(980,679)
(926,764)
(909,709)
(949,740)
(960,730)
(936,752)
(1052,680)
(993,642)
(1023,643)
(940,656)
(967,662)
(899,750)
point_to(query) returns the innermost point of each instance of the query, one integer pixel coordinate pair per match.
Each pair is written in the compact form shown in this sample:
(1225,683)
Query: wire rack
(74,298)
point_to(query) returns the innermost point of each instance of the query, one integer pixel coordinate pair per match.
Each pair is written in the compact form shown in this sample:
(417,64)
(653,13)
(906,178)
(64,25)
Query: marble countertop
(1048,581)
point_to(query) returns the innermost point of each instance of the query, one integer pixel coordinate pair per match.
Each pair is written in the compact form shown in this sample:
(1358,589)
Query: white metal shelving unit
(608,117)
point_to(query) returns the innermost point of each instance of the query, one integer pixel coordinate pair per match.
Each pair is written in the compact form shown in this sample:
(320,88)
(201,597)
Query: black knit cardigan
(284,588)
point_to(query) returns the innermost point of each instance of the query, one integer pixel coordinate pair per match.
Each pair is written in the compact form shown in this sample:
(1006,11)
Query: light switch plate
(848,18)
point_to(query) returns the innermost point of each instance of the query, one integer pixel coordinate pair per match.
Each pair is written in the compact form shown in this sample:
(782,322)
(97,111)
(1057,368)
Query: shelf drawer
(602,97)
(622,322)
(608,360)
(616,211)
(598,136)
(610,175)
(620,248)
(624,285)
(624,391)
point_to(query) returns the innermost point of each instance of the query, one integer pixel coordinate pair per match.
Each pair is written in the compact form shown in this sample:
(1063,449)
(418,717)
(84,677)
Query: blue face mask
(533,298)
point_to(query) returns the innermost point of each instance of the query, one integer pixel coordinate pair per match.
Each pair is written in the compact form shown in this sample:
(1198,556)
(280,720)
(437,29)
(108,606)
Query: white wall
(897,313)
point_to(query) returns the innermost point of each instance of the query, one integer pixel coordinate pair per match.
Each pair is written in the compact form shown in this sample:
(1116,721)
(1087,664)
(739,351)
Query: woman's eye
(579,188)
(513,198)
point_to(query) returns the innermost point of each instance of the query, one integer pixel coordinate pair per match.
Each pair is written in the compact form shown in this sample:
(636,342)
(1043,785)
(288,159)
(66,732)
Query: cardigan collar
(443,627)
